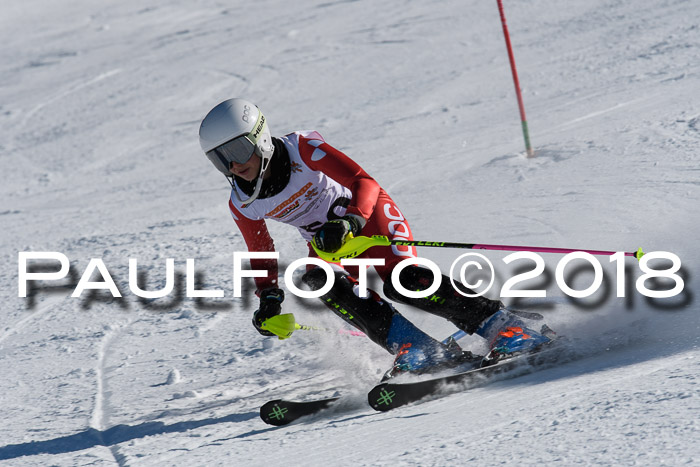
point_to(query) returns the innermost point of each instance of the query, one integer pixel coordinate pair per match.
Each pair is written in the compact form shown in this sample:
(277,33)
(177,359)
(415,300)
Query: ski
(390,395)
(281,412)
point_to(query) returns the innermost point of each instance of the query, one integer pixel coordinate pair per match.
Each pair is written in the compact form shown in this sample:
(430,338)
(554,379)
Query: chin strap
(258,185)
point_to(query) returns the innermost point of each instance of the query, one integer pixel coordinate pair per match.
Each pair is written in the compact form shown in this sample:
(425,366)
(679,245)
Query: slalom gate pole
(357,245)
(516,81)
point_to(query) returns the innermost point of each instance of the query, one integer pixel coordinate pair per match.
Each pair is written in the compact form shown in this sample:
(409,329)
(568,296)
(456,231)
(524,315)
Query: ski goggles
(238,150)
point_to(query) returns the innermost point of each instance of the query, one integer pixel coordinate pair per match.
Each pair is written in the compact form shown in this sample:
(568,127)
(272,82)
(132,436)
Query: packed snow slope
(100,104)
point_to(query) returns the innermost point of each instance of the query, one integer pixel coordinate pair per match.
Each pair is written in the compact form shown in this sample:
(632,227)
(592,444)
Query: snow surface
(100,104)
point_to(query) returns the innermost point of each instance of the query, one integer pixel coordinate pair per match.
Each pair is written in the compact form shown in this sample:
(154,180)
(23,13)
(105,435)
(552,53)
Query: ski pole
(285,324)
(355,246)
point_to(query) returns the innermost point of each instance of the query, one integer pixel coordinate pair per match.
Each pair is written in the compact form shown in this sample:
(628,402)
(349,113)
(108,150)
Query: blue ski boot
(417,352)
(508,336)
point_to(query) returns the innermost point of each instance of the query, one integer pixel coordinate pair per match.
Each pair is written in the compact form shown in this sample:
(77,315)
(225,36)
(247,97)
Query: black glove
(270,305)
(333,234)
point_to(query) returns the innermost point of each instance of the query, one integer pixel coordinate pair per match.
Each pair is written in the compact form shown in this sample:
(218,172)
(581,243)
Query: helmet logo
(258,129)
(246,113)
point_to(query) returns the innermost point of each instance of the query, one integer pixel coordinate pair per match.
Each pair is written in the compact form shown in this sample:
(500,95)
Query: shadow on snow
(117,434)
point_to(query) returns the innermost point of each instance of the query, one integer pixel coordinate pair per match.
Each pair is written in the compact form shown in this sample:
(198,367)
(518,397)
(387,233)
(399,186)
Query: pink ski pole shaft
(536,249)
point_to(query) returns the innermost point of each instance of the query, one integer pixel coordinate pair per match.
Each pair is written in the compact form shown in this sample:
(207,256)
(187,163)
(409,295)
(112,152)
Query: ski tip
(281,412)
(380,398)
(273,413)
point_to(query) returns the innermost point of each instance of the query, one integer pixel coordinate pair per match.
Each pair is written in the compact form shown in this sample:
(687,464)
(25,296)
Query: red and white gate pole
(523,119)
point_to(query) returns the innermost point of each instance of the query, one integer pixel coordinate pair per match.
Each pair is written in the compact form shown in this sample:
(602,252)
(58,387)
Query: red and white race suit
(324,184)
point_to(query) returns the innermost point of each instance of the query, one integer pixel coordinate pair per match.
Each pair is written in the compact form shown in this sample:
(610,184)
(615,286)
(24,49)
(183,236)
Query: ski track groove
(17,326)
(99,421)
(72,89)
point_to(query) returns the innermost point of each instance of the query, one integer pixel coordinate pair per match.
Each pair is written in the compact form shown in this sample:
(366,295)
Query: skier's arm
(323,157)
(257,238)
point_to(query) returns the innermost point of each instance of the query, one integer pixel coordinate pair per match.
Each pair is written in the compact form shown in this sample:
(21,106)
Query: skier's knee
(413,278)
(315,278)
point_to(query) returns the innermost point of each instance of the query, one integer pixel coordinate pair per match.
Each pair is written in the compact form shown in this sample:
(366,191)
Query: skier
(301,180)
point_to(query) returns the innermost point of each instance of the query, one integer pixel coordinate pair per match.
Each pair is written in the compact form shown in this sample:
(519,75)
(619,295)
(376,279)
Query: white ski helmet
(232,132)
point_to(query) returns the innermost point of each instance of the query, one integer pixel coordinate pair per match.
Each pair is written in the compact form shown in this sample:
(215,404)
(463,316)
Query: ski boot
(418,353)
(508,336)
